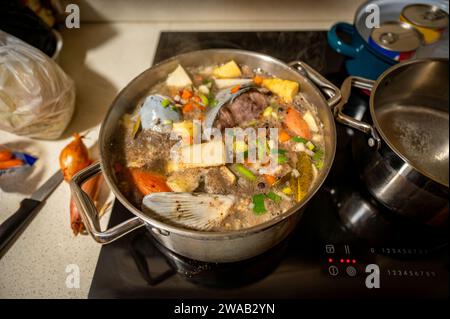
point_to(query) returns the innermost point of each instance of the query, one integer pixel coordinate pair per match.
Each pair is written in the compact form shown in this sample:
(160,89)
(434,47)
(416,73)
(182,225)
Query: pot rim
(162,227)
(375,121)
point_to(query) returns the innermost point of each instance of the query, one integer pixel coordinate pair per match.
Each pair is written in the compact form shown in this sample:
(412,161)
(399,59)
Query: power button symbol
(333,270)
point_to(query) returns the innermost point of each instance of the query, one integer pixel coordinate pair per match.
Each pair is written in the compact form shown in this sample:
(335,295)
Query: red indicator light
(348,261)
(330,260)
(342,260)
(354,261)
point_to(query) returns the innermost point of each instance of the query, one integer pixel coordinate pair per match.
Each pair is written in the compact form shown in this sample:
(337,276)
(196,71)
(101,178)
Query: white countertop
(102,58)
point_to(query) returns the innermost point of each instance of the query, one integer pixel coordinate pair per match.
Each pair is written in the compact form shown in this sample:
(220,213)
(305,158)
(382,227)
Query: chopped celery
(318,155)
(299,139)
(274,197)
(310,145)
(258,204)
(282,158)
(245,172)
(213,102)
(318,164)
(278,151)
(204,99)
(165,103)
(262,148)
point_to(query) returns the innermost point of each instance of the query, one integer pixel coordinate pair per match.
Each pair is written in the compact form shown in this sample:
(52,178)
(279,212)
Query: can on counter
(396,40)
(430,20)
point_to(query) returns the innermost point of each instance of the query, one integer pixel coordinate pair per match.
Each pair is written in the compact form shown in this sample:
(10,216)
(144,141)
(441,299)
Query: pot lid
(397,36)
(425,15)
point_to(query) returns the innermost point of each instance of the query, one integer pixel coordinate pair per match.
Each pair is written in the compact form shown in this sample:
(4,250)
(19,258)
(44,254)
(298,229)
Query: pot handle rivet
(160,231)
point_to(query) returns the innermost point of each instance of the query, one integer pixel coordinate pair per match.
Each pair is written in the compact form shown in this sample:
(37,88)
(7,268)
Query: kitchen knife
(10,227)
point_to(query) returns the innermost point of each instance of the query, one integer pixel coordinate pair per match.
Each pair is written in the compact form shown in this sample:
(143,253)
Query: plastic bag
(37,98)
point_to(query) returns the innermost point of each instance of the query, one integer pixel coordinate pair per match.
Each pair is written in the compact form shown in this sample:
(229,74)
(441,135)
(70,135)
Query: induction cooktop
(346,245)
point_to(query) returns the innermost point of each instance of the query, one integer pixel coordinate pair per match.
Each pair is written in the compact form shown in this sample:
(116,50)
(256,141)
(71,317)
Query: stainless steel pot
(405,162)
(206,246)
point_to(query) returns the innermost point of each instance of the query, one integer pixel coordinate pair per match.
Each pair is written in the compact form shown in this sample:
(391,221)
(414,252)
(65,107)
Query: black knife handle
(10,227)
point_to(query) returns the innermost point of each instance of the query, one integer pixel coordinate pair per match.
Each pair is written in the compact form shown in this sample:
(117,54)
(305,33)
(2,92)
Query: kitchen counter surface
(101,58)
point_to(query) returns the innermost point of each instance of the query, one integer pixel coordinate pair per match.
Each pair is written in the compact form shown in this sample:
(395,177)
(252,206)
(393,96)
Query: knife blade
(28,206)
(48,187)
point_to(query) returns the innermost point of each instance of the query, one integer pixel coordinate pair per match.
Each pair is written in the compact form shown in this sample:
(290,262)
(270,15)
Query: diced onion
(203,89)
(317,138)
(314,169)
(309,152)
(309,119)
(300,147)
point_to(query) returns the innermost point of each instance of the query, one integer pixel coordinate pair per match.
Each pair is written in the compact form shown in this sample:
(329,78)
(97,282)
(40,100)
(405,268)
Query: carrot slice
(187,108)
(283,136)
(10,163)
(258,80)
(148,182)
(235,89)
(200,107)
(297,124)
(270,179)
(186,94)
(5,155)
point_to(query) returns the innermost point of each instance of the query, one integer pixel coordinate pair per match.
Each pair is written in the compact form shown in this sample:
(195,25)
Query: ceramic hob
(346,244)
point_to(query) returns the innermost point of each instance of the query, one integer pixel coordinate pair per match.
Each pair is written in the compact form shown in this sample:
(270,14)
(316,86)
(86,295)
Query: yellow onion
(74,157)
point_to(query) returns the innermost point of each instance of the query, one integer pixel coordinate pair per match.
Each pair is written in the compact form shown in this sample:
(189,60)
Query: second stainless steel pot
(206,246)
(405,162)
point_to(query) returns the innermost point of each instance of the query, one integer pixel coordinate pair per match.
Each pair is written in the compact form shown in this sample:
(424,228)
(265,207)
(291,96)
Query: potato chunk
(228,70)
(184,181)
(199,155)
(283,88)
(178,78)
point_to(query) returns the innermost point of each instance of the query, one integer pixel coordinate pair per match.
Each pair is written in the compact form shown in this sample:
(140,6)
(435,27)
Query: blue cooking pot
(362,60)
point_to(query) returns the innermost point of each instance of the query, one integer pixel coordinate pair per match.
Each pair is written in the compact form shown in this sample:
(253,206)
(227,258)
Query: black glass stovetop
(335,241)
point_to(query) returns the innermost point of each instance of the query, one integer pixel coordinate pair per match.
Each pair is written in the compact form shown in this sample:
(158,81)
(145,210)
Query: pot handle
(89,212)
(329,89)
(341,117)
